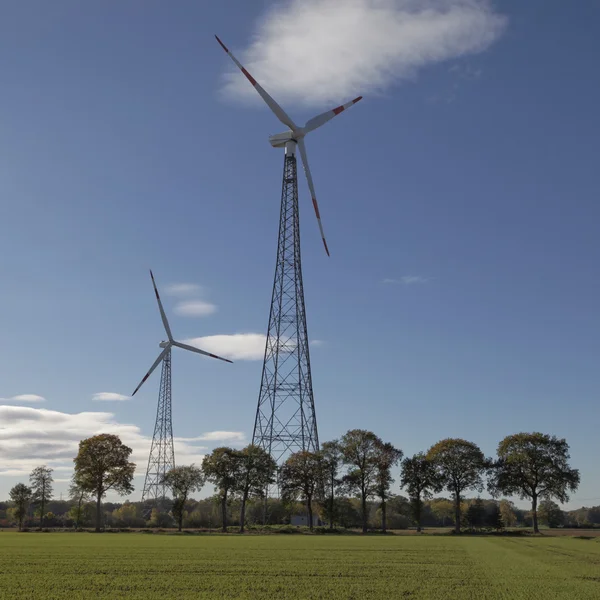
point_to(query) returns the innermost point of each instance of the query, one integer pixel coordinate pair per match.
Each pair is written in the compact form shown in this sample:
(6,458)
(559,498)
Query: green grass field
(69,566)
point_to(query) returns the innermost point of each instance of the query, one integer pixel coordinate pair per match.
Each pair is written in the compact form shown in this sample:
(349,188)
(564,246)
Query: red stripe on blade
(326,248)
(316,208)
(250,78)
(338,110)
(356,100)
(222,44)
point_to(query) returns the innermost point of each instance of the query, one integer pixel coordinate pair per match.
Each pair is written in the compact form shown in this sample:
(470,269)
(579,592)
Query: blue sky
(466,176)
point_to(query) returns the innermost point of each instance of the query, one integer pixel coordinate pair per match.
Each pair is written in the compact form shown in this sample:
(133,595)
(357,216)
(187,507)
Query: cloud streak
(407,280)
(237,346)
(195,308)
(315,51)
(24,398)
(32,436)
(109,397)
(182,289)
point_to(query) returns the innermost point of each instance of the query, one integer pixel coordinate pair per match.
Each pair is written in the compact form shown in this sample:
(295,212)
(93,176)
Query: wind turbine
(162,453)
(285,417)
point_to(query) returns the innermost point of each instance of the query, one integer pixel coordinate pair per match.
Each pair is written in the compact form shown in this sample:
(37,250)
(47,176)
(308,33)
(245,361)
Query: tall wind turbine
(162,453)
(285,418)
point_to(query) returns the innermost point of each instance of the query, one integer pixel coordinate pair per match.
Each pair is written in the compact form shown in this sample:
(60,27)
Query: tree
(182,481)
(222,467)
(494,518)
(386,457)
(419,477)
(359,452)
(21,495)
(332,458)
(81,497)
(301,476)
(41,486)
(442,509)
(257,472)
(507,510)
(535,466)
(550,513)
(476,513)
(102,464)
(459,465)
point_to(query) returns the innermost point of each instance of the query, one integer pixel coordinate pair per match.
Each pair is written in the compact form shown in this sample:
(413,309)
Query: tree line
(354,471)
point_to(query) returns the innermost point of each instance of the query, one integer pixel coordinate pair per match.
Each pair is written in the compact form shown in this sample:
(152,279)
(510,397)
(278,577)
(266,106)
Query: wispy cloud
(182,289)
(33,436)
(237,346)
(109,397)
(407,280)
(24,398)
(315,51)
(195,308)
(317,343)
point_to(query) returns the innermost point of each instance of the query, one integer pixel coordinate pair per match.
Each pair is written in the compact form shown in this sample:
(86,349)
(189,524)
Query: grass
(61,566)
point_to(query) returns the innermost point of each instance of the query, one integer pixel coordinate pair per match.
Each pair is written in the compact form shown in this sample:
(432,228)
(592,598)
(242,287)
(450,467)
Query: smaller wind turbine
(162,453)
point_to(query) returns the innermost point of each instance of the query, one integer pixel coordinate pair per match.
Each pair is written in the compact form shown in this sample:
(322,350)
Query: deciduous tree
(81,497)
(41,486)
(419,477)
(332,460)
(535,466)
(182,481)
(460,466)
(222,467)
(301,477)
(359,451)
(21,495)
(386,457)
(257,472)
(102,464)
(507,510)
(494,517)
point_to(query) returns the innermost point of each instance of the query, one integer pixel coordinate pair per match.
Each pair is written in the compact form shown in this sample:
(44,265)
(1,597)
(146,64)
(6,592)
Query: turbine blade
(156,363)
(279,112)
(194,349)
(311,187)
(162,310)
(321,119)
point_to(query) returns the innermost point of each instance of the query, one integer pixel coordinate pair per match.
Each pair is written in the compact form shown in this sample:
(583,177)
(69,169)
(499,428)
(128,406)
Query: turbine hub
(163,344)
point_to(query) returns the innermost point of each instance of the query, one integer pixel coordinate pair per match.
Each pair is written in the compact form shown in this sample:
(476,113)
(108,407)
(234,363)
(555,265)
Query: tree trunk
(99,498)
(534,515)
(418,512)
(243,511)
(310,512)
(79,510)
(364,510)
(383,515)
(332,503)
(224,512)
(457,512)
(42,511)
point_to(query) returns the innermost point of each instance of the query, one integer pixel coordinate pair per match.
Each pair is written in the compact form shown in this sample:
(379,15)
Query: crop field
(69,566)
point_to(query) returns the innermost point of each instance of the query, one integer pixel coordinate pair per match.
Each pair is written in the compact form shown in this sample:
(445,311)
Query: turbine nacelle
(294,134)
(167,344)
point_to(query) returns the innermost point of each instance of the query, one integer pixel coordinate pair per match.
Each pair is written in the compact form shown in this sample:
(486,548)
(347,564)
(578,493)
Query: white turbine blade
(311,187)
(162,311)
(156,363)
(194,349)
(321,119)
(279,112)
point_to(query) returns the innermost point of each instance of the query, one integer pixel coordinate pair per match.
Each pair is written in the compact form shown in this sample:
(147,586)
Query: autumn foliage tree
(41,486)
(460,466)
(182,481)
(535,466)
(21,495)
(102,464)
(419,477)
(386,457)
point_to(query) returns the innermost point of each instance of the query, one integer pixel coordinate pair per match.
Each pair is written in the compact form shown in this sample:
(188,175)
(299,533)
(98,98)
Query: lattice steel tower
(162,453)
(285,417)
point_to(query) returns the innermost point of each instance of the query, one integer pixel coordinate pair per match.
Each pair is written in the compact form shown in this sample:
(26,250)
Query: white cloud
(182,289)
(238,346)
(316,51)
(317,343)
(24,398)
(195,308)
(33,436)
(109,397)
(408,280)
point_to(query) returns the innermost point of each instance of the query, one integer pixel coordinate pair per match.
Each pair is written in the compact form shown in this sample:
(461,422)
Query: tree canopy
(460,466)
(535,466)
(21,495)
(419,477)
(102,464)
(182,481)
